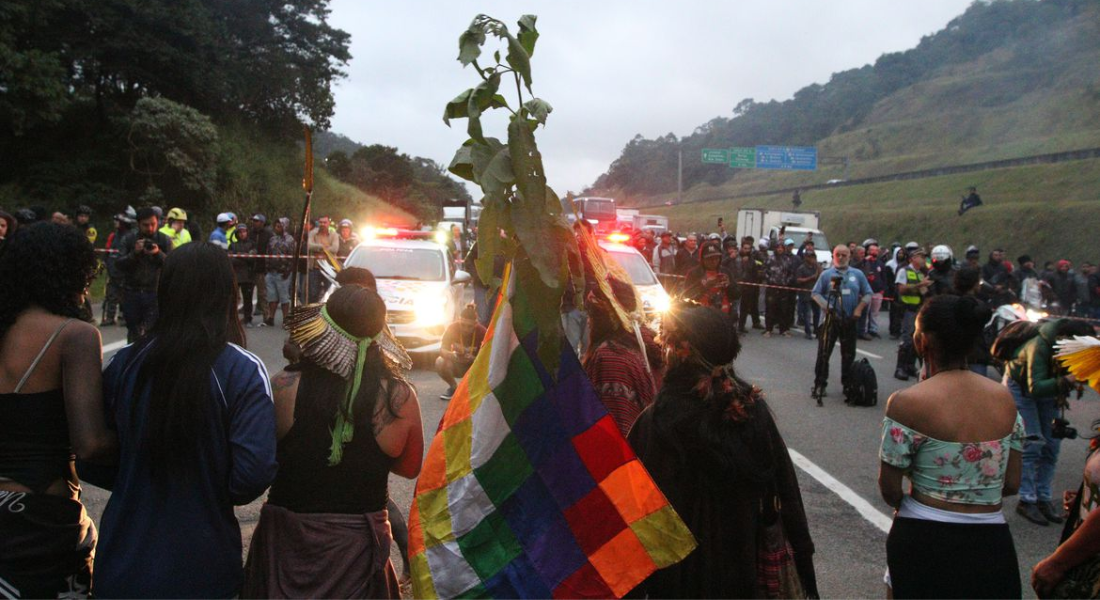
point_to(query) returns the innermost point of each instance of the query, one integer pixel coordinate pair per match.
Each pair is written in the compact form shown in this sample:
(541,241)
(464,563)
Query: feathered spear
(307,185)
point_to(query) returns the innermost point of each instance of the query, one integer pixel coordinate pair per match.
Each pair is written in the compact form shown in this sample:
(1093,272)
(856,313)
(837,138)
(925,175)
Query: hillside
(1033,89)
(1047,211)
(1007,78)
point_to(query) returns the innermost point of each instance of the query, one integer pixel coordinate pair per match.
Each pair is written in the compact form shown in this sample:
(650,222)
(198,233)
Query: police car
(417,280)
(655,300)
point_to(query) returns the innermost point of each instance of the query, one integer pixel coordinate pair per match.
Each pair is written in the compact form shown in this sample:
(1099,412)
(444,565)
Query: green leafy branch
(521,217)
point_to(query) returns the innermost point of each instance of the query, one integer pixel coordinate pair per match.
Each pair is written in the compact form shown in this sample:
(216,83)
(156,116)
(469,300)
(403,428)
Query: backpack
(862,388)
(1009,340)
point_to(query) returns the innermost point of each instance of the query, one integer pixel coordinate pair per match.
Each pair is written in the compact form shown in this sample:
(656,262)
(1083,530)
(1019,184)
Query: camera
(1060,429)
(150,246)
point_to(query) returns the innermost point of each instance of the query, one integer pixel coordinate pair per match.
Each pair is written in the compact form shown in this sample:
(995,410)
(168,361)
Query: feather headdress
(1081,355)
(332,348)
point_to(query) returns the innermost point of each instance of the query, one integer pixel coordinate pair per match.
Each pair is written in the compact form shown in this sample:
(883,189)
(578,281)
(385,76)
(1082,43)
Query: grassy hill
(1047,211)
(1009,102)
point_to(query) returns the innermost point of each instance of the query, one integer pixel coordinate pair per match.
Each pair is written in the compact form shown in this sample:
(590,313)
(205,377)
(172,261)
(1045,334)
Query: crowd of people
(186,423)
(134,252)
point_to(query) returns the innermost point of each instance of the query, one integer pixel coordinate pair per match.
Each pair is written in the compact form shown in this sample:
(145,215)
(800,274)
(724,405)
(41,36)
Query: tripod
(826,341)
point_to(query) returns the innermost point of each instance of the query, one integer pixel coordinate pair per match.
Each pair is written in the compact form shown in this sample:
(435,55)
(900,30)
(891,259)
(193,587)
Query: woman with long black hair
(346,420)
(196,427)
(51,408)
(712,446)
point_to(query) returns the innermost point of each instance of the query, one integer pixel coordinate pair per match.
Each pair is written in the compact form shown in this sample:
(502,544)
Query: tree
(173,146)
(338,164)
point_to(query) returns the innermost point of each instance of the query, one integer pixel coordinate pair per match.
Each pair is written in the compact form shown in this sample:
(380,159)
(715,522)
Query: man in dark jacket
(875,272)
(261,236)
(746,272)
(779,272)
(140,260)
(1063,286)
(687,257)
(1037,386)
(245,269)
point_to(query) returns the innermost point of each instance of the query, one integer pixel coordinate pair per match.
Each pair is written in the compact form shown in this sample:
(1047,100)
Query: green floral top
(959,472)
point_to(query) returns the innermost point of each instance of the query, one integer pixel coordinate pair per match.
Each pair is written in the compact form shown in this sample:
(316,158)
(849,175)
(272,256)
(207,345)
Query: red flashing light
(618,238)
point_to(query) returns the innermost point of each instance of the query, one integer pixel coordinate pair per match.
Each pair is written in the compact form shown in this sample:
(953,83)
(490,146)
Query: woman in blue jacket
(196,429)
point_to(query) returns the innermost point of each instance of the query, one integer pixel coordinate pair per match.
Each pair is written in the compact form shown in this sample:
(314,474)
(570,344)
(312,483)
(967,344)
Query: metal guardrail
(1037,159)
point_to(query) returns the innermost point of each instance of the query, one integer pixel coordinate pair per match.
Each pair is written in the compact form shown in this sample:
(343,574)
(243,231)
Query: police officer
(913,287)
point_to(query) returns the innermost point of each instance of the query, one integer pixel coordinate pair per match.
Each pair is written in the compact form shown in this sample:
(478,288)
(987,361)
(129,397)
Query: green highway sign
(715,156)
(743,158)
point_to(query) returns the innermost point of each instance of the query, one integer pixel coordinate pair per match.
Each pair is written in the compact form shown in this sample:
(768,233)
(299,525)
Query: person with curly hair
(51,408)
(712,446)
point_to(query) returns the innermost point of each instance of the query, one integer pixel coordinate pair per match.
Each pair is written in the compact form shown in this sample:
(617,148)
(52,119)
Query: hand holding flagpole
(307,185)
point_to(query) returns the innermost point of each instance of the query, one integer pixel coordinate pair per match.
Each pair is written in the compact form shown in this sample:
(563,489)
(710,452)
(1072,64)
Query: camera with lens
(1060,429)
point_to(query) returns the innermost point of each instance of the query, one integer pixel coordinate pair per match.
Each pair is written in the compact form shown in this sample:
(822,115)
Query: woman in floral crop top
(957,437)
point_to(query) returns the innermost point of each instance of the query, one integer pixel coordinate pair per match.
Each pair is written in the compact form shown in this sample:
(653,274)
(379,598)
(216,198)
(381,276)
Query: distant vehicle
(764,223)
(655,223)
(466,217)
(418,282)
(624,218)
(655,300)
(600,212)
(835,181)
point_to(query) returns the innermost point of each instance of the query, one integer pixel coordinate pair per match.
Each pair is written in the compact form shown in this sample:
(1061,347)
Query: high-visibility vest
(912,277)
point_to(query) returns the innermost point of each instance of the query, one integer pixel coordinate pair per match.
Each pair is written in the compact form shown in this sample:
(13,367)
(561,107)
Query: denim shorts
(278,288)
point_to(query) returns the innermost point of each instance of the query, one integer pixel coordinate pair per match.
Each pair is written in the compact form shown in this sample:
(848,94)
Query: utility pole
(680,175)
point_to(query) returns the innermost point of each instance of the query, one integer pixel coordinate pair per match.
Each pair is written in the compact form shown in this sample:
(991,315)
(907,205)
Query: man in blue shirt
(843,293)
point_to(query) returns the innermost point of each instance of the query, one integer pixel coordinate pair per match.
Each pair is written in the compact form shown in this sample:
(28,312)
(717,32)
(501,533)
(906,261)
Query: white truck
(624,218)
(766,223)
(654,223)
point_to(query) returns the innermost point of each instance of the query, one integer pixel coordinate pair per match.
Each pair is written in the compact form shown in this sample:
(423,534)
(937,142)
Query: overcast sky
(610,68)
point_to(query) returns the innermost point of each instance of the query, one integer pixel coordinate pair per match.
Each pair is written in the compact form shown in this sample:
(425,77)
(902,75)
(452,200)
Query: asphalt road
(839,442)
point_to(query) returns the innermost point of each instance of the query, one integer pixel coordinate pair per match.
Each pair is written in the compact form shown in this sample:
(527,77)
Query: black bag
(862,388)
(1009,340)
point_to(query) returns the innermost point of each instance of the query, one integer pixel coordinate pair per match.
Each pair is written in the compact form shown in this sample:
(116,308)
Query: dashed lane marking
(868,354)
(863,507)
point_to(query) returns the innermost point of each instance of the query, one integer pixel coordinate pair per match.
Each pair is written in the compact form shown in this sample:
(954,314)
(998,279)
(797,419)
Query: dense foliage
(108,102)
(419,186)
(817,111)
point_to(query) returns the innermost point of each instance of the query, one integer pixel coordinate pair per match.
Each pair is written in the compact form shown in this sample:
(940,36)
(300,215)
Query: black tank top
(307,484)
(34,433)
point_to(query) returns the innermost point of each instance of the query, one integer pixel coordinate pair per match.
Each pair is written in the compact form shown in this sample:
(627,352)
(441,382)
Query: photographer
(843,293)
(458,349)
(1040,390)
(140,260)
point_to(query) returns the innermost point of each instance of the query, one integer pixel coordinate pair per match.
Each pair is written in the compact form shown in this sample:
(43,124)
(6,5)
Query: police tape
(238,255)
(662,276)
(458,261)
(752,283)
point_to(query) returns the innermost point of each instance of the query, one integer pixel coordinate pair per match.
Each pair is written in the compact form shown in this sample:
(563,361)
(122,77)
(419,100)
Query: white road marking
(114,346)
(863,507)
(869,354)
